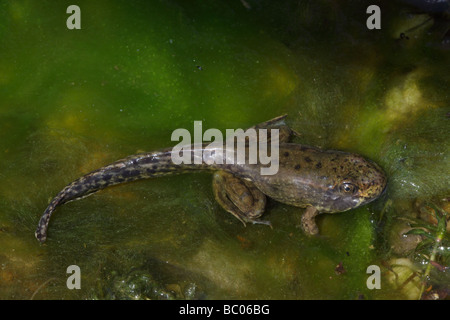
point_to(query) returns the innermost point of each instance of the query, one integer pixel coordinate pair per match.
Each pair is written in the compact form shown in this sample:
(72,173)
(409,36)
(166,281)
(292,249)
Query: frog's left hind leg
(239,197)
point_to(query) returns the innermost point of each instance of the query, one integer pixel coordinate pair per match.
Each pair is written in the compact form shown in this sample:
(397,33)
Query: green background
(72,101)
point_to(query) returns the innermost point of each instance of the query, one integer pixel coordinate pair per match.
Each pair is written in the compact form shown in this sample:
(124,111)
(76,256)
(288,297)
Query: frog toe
(265,222)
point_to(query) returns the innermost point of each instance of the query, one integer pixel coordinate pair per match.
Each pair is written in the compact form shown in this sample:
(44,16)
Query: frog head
(359,182)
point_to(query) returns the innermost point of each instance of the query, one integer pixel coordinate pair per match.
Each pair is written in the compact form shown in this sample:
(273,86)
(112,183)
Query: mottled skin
(320,181)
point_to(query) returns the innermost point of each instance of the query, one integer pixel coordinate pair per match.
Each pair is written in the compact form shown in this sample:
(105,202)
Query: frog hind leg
(239,197)
(285,132)
(309,224)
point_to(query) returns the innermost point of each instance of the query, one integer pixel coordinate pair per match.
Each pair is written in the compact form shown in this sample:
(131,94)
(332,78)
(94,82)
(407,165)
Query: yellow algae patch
(401,104)
(279,81)
(73,110)
(405,100)
(96,159)
(121,196)
(408,24)
(19,10)
(72,119)
(223,267)
(404,276)
(20,259)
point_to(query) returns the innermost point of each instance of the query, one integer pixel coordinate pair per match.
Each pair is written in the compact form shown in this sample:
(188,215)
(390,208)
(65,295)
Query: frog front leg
(309,224)
(239,197)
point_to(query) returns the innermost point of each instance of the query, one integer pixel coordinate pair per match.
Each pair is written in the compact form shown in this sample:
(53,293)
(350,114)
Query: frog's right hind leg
(239,197)
(285,132)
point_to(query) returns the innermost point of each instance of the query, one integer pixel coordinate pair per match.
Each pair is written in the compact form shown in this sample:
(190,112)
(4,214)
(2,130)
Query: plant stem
(441,228)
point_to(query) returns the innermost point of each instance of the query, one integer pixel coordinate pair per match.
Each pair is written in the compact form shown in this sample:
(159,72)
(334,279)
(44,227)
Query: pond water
(72,101)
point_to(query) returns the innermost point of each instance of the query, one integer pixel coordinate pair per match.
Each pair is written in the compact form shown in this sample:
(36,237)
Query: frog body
(322,181)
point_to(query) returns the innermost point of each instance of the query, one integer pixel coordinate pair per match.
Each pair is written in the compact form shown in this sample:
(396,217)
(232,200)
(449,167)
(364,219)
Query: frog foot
(239,197)
(309,224)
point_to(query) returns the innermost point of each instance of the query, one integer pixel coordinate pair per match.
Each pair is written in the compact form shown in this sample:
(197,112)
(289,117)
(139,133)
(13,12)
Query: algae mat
(73,100)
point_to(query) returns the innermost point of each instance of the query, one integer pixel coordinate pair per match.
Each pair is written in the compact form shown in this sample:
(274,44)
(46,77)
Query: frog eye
(348,188)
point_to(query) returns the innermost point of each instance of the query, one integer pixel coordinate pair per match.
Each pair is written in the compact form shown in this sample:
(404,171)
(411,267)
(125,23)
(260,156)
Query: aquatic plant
(434,249)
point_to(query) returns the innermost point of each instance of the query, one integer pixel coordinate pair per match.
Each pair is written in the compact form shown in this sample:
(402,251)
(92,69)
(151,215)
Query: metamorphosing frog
(320,181)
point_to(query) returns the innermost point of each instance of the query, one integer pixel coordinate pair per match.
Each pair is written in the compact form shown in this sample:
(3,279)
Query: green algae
(75,100)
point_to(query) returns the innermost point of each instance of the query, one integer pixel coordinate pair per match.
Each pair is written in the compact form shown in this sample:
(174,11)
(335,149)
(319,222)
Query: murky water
(72,101)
